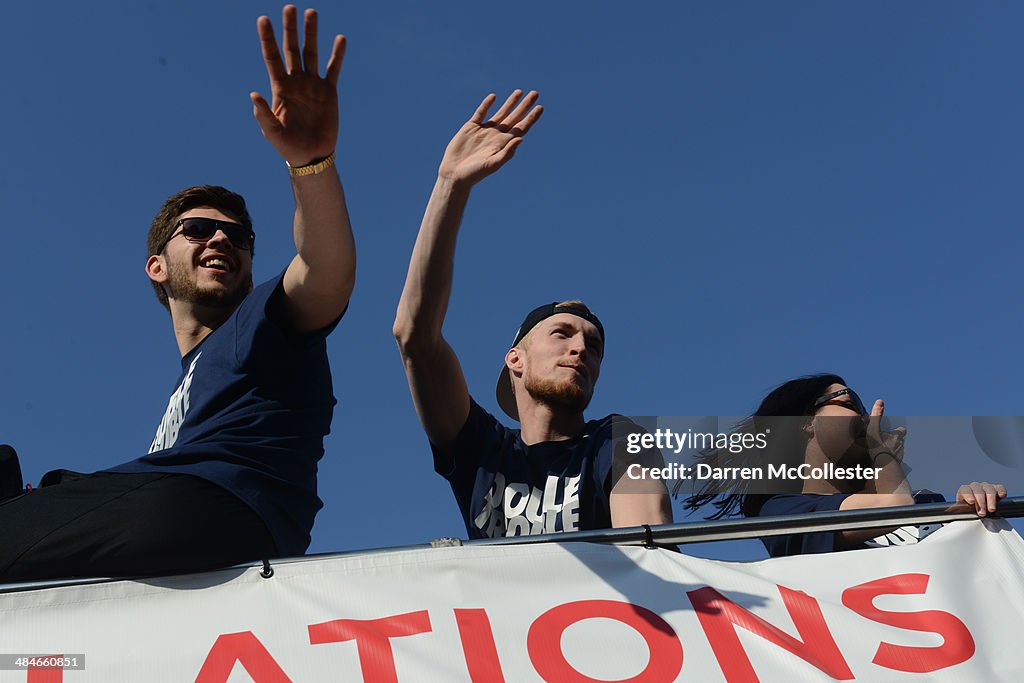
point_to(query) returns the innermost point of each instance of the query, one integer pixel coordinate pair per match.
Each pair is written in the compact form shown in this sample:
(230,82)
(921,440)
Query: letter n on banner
(957,643)
(373,640)
(719,616)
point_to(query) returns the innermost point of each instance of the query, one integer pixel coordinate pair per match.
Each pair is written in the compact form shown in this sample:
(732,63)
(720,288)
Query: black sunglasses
(197,229)
(855,402)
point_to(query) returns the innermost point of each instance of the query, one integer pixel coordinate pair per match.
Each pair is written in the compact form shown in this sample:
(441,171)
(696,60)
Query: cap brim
(506,397)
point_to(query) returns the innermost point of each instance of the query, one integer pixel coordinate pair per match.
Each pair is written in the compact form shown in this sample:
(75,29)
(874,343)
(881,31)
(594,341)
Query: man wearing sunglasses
(559,472)
(230,475)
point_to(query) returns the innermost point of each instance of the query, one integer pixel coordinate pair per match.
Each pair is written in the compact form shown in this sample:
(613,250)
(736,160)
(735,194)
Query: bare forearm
(319,280)
(428,283)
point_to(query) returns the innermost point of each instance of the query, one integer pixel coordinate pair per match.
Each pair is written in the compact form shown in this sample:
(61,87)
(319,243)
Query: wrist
(453,185)
(884,457)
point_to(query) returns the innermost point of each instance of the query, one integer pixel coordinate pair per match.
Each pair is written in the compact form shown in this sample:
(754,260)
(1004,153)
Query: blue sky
(744,191)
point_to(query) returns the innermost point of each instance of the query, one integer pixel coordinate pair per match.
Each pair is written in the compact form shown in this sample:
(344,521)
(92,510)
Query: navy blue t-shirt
(249,413)
(505,488)
(825,541)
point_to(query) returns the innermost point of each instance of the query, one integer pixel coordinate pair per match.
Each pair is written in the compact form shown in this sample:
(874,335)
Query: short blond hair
(571,303)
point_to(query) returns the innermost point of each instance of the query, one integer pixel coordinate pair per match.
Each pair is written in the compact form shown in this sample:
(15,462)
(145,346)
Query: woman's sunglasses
(197,229)
(854,403)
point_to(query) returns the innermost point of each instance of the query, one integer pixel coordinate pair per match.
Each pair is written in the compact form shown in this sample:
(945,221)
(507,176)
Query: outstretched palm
(481,146)
(301,122)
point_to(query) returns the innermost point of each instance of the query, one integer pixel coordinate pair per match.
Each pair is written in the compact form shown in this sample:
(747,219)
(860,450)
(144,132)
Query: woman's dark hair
(795,398)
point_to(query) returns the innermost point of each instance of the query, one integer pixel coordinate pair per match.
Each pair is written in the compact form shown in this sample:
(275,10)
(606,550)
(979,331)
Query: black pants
(108,524)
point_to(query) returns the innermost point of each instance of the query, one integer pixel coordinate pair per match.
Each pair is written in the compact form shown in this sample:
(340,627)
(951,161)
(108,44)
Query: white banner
(947,609)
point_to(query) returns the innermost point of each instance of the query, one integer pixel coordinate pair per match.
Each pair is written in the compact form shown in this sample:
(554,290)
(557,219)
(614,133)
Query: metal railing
(669,534)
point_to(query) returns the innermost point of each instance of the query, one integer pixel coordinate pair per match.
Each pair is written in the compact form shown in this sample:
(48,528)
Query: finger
(310,58)
(334,63)
(271,55)
(965,494)
(1000,490)
(878,409)
(481,111)
(991,497)
(978,493)
(523,126)
(508,151)
(510,103)
(264,116)
(520,111)
(290,31)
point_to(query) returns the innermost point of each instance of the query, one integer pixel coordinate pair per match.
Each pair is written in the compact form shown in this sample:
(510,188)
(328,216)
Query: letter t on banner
(373,640)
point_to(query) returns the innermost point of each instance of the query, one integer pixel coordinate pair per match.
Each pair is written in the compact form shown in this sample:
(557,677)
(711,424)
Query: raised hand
(482,146)
(301,122)
(883,443)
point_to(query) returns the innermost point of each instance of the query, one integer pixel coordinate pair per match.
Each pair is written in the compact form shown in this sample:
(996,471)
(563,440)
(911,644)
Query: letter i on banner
(478,646)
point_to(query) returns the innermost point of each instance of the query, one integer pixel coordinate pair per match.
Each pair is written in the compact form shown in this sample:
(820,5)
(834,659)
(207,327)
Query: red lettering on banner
(47,675)
(478,646)
(720,616)
(957,643)
(544,641)
(246,649)
(373,640)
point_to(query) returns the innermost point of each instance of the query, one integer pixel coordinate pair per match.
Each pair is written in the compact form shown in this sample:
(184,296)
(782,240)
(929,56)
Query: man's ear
(514,360)
(156,269)
(808,427)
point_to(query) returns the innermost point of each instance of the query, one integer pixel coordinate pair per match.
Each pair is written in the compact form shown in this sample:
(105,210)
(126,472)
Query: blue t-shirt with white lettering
(249,413)
(506,488)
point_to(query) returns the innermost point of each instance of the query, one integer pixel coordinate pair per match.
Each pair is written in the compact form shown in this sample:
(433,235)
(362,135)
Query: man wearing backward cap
(558,472)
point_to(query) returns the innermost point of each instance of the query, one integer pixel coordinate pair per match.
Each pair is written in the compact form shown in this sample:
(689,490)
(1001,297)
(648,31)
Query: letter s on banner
(246,649)
(544,641)
(719,616)
(957,642)
(373,640)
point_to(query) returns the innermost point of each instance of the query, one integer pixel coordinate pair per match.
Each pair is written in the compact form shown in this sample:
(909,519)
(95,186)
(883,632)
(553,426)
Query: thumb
(264,116)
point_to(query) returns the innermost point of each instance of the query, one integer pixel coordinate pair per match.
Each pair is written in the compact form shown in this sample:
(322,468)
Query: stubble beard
(182,286)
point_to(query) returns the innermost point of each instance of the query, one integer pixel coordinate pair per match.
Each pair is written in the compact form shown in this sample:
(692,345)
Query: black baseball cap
(503,391)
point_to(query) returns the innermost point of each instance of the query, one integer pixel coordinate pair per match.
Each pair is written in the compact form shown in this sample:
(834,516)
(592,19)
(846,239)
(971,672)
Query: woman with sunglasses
(819,421)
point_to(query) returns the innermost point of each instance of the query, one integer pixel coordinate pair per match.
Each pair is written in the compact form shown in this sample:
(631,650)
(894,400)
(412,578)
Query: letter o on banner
(544,641)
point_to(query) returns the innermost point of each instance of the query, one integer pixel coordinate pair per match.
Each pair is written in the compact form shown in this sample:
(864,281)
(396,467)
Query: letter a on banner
(719,616)
(246,649)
